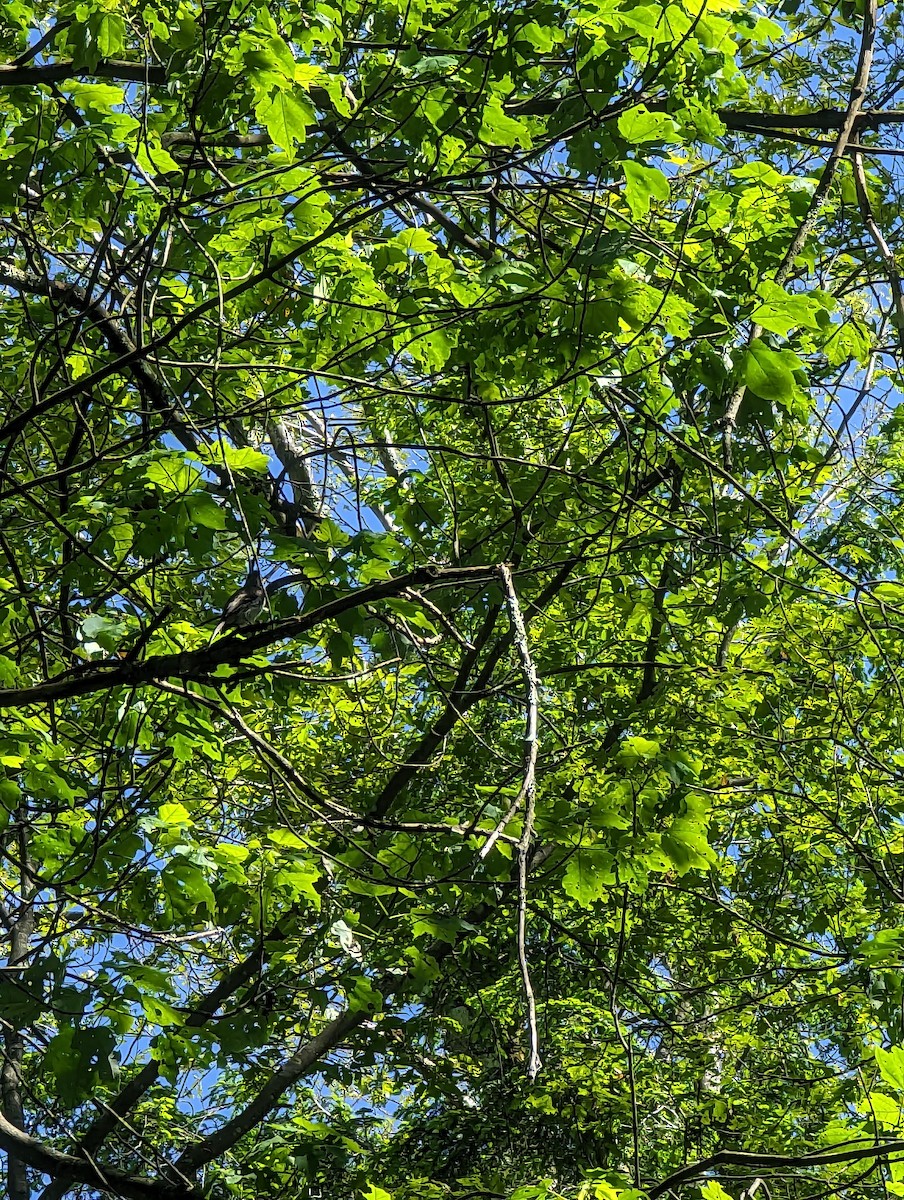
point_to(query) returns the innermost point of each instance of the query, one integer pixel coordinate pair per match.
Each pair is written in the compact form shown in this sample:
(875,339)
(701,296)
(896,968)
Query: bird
(244,607)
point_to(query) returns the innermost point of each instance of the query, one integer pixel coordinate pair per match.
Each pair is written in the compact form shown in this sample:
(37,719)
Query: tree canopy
(543,838)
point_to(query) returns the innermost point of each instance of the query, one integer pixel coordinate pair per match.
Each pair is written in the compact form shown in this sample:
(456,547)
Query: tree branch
(197,664)
(71,1170)
(15,75)
(761,1162)
(289,1073)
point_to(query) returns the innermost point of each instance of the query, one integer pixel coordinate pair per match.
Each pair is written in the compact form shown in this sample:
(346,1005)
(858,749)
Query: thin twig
(527,792)
(885,251)
(530,738)
(625,1041)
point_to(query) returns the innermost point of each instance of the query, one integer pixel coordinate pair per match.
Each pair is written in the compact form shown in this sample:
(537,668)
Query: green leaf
(884,945)
(99,97)
(891,1066)
(643,184)
(849,339)
(770,373)
(188,894)
(540,38)
(885,1110)
(287,117)
(637,749)
(76,1058)
(102,630)
(363,995)
(639,125)
(173,474)
(244,458)
(442,928)
(686,845)
(205,511)
(286,839)
(372,1192)
(588,875)
(155,160)
(781,312)
(498,307)
(174,814)
(713,1190)
(110,34)
(498,129)
(159,1013)
(282,57)
(10,797)
(301,878)
(418,240)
